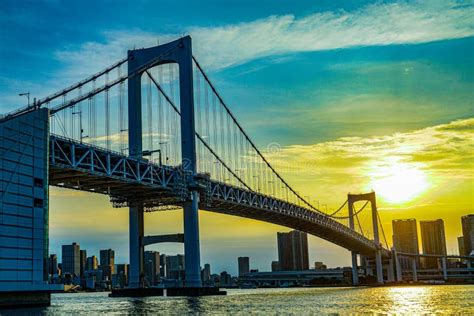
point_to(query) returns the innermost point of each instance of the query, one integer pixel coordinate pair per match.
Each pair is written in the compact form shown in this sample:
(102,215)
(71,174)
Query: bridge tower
(139,60)
(351,199)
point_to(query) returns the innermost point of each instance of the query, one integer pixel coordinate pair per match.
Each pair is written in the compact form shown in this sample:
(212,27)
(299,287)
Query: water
(446,299)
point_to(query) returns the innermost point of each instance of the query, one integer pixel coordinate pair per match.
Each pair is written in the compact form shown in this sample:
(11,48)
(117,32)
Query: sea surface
(431,299)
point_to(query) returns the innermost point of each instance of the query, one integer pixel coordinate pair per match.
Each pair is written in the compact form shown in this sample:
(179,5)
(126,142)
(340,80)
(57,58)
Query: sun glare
(398,182)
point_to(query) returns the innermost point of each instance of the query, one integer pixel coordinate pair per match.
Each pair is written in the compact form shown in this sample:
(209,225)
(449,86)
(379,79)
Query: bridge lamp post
(146,153)
(27,94)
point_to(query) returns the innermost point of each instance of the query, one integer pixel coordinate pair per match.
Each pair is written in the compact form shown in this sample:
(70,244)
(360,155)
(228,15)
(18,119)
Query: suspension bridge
(153,133)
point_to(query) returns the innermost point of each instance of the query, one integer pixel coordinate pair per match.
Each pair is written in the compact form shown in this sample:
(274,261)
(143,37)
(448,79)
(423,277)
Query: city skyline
(344,140)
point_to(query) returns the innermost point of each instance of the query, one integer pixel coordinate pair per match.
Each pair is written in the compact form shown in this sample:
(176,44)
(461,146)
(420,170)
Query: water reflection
(194,304)
(409,300)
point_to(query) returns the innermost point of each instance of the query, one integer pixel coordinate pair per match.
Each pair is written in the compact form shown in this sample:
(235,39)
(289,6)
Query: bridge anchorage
(172,143)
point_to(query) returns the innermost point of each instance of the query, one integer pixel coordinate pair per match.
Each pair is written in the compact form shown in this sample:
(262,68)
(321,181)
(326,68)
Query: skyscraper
(83,256)
(405,239)
(53,265)
(244,265)
(71,259)
(91,263)
(293,251)
(107,262)
(433,240)
(468,233)
(152,266)
(175,267)
(405,235)
(206,273)
(462,251)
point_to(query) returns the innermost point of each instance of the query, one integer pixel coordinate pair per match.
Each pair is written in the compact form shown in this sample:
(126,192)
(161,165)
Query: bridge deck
(85,167)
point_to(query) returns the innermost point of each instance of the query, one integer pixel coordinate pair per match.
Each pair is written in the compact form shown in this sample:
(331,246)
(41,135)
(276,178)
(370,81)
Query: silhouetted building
(468,233)
(71,260)
(225,279)
(107,263)
(91,263)
(244,265)
(293,251)
(175,267)
(121,275)
(433,240)
(405,239)
(462,250)
(152,266)
(206,273)
(163,266)
(318,265)
(275,266)
(53,265)
(83,261)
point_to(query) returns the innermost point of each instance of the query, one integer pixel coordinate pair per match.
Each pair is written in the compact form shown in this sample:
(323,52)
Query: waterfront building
(152,267)
(206,274)
(121,276)
(405,239)
(83,261)
(244,265)
(107,263)
(53,265)
(175,267)
(225,279)
(91,263)
(462,250)
(293,251)
(468,233)
(433,241)
(71,260)
(275,266)
(163,265)
(318,265)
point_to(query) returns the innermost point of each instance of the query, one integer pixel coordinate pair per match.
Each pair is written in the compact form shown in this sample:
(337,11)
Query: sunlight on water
(445,299)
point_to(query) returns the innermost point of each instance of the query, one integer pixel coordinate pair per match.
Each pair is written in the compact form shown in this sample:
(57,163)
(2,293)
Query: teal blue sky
(294,72)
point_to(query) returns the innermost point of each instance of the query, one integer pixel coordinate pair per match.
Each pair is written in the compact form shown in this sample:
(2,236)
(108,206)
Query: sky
(357,95)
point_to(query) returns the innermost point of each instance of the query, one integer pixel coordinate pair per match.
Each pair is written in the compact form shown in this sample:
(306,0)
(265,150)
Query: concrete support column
(136,246)
(398,267)
(413,269)
(444,268)
(355,270)
(390,272)
(379,267)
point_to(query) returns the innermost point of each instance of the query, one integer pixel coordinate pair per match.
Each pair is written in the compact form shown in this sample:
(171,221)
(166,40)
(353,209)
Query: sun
(398,182)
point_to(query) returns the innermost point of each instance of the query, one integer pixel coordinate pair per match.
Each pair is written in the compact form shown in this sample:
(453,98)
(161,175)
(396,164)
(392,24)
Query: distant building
(175,267)
(91,263)
(163,265)
(405,235)
(462,250)
(53,265)
(152,267)
(83,261)
(225,279)
(121,275)
(206,273)
(318,265)
(433,240)
(244,265)
(275,266)
(293,251)
(405,239)
(468,233)
(71,260)
(107,263)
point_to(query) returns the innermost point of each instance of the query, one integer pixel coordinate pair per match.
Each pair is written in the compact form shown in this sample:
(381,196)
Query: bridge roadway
(85,167)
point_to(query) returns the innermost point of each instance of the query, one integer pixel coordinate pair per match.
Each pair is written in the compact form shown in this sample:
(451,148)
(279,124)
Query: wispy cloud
(228,45)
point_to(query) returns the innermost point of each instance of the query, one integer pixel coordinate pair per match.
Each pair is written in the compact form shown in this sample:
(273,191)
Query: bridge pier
(355,270)
(136,231)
